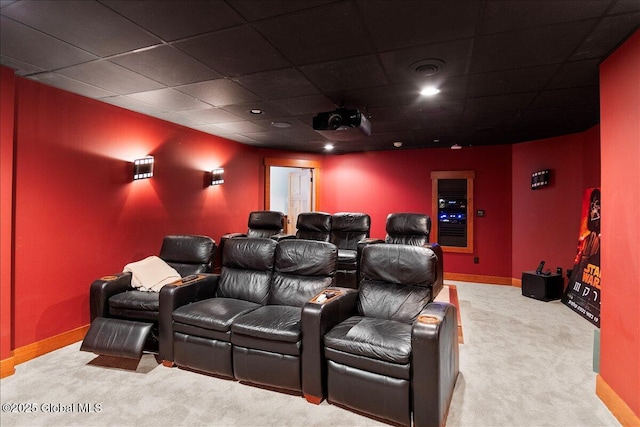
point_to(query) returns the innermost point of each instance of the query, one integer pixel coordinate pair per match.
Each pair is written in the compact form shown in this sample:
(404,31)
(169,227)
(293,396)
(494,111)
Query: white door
(299,197)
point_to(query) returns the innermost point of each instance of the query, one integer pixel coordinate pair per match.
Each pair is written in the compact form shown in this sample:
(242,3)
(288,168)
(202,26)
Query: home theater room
(320,212)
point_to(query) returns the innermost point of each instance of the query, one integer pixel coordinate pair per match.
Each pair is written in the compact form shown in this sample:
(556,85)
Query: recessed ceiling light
(397,144)
(429,91)
(328,147)
(436,140)
(456,147)
(255,111)
(281,125)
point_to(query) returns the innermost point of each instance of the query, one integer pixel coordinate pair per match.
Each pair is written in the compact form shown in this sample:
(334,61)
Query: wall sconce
(217,176)
(143,168)
(540,179)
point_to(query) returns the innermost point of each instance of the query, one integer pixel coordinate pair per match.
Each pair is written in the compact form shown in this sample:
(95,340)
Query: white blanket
(151,274)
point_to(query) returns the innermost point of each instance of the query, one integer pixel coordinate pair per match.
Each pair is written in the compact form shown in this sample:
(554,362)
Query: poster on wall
(583,291)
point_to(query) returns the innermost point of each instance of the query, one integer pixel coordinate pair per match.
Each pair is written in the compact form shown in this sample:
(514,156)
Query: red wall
(520,226)
(382,182)
(620,259)
(546,221)
(7,90)
(79,216)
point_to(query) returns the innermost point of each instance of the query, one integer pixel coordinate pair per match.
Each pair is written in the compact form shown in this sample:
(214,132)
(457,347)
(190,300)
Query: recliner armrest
(104,288)
(364,242)
(319,315)
(435,362)
(282,236)
(232,235)
(368,241)
(190,289)
(439,282)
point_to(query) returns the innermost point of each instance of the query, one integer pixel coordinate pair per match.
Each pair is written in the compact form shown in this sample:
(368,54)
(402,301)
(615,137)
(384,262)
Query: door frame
(314,165)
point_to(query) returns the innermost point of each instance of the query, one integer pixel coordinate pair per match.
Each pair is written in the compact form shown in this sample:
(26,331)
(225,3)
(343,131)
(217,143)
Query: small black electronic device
(540,267)
(542,286)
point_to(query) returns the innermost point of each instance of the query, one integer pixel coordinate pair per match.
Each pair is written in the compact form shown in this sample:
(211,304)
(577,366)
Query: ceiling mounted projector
(342,119)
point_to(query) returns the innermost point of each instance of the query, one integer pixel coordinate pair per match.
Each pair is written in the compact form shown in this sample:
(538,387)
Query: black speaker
(543,287)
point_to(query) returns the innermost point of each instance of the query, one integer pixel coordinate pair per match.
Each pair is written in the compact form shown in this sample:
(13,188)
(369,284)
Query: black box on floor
(542,286)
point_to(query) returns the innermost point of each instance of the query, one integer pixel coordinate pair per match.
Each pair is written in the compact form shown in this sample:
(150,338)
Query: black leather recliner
(314,226)
(268,344)
(395,354)
(410,229)
(259,224)
(201,331)
(347,230)
(251,327)
(124,320)
(262,224)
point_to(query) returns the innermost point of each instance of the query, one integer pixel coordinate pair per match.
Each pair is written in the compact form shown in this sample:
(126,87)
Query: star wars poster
(583,291)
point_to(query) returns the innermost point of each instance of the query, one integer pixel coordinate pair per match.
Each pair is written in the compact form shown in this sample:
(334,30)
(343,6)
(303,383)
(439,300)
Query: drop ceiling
(508,71)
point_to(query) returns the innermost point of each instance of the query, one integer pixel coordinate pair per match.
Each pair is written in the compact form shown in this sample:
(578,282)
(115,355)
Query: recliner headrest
(266,220)
(188,249)
(408,229)
(405,264)
(306,257)
(408,223)
(314,221)
(249,253)
(350,221)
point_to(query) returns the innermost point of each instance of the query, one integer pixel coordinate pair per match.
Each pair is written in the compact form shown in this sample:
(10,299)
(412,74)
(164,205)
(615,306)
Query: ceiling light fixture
(255,111)
(328,147)
(397,144)
(429,91)
(456,147)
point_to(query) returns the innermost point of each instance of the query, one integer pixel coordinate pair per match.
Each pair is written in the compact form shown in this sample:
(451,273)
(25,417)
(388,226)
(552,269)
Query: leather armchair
(347,229)
(395,356)
(260,224)
(118,309)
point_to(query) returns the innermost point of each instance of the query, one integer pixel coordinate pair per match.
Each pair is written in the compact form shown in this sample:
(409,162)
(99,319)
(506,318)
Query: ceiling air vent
(427,67)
